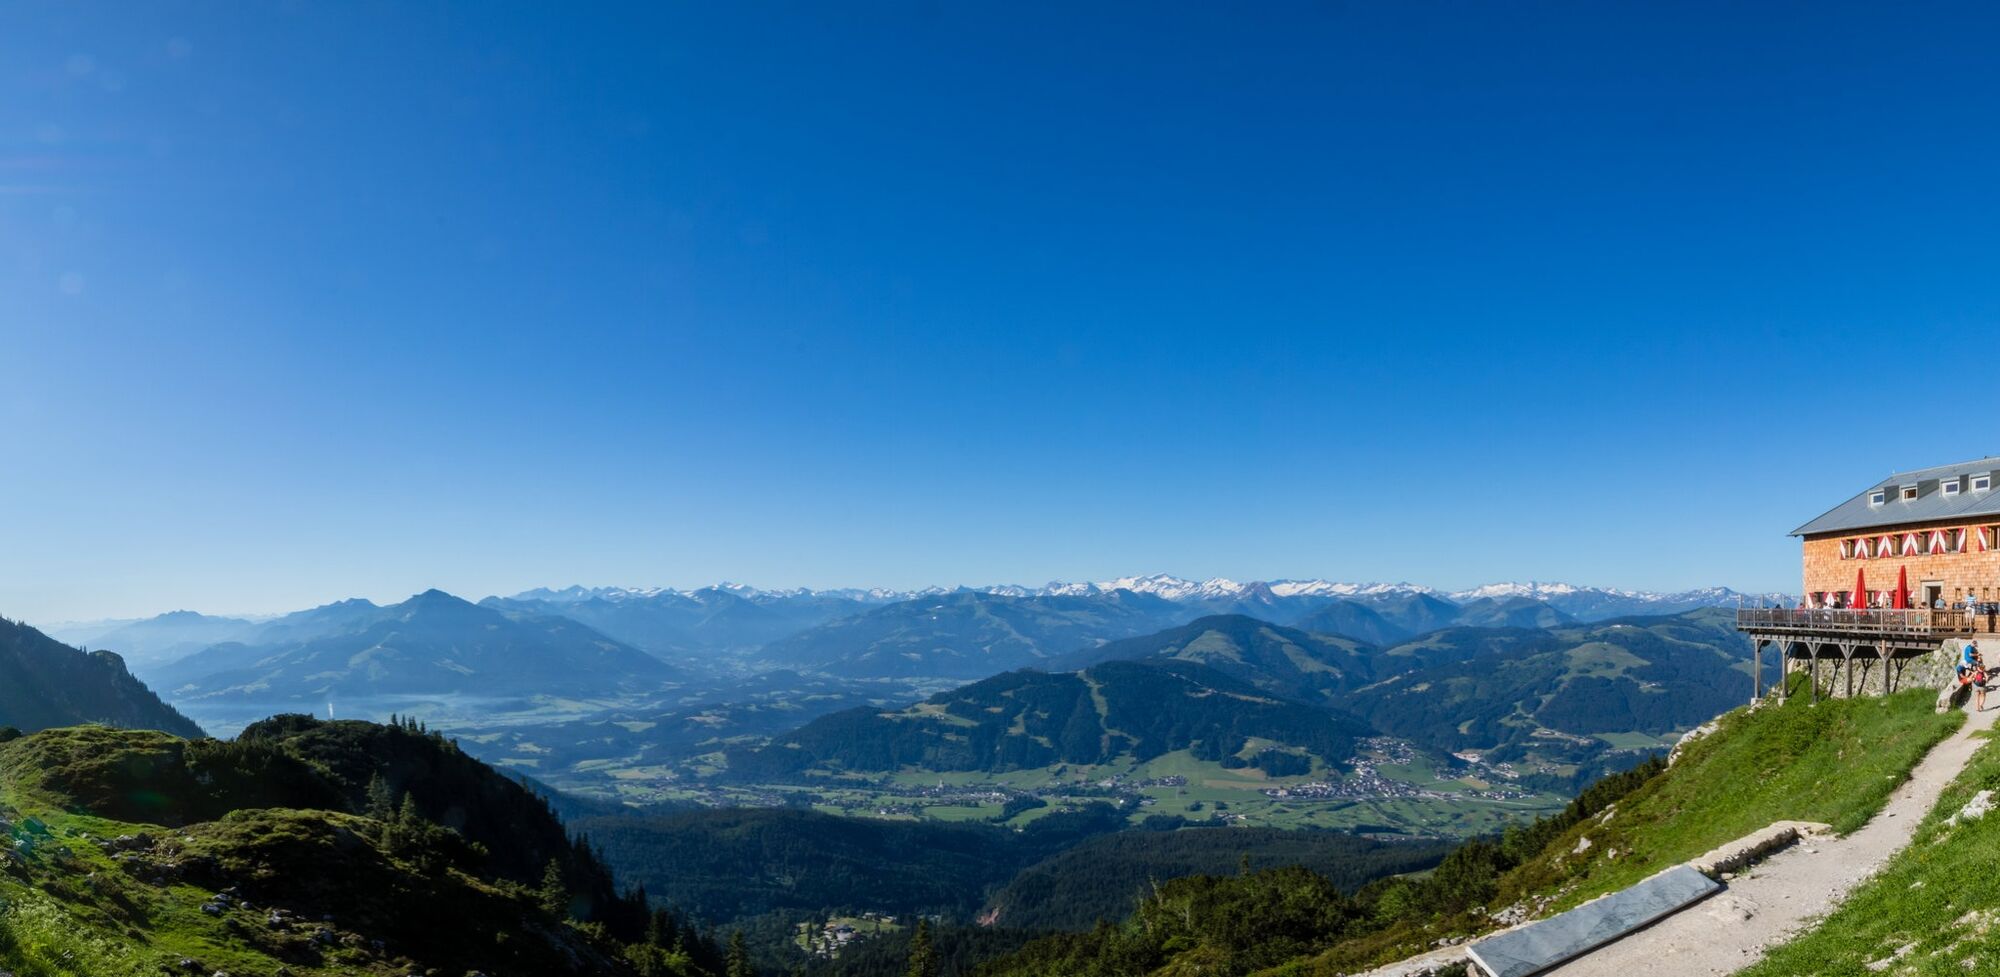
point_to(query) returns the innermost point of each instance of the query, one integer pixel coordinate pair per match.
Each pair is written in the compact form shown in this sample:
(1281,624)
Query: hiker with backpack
(1972,671)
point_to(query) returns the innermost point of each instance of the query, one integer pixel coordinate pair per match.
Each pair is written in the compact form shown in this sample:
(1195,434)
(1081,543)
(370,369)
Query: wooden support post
(1812,674)
(1757,672)
(1883,651)
(1847,653)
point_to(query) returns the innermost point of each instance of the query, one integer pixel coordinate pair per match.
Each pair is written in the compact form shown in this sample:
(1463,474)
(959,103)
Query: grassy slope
(1835,762)
(68,907)
(78,914)
(1938,896)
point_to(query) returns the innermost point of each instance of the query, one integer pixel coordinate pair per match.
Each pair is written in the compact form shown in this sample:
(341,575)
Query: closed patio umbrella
(1860,589)
(1902,588)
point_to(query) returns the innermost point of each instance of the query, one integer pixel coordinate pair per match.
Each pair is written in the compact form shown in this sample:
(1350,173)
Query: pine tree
(739,957)
(402,834)
(381,800)
(554,893)
(923,957)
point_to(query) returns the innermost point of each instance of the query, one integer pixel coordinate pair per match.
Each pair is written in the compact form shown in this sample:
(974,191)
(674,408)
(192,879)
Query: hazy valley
(1168,695)
(1003,761)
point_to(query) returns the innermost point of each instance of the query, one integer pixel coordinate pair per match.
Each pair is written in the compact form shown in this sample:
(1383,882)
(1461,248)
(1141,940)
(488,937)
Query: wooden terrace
(1864,638)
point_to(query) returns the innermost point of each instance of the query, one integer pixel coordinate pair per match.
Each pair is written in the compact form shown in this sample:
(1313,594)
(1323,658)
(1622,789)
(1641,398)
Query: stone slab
(1423,965)
(1545,943)
(1755,847)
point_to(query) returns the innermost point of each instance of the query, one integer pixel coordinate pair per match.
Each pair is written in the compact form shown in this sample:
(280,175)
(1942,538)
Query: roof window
(1909,493)
(1949,487)
(1878,497)
(1981,483)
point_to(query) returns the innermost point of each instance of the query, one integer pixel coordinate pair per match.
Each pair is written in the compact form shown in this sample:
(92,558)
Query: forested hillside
(1561,695)
(1105,877)
(45,683)
(1030,719)
(1486,689)
(732,863)
(1280,661)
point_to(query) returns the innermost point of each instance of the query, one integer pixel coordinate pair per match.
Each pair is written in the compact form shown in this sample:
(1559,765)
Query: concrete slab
(1545,943)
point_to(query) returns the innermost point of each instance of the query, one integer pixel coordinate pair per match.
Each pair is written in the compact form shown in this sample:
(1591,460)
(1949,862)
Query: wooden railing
(1913,621)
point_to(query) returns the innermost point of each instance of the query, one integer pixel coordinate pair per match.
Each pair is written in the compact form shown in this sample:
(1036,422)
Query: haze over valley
(1164,693)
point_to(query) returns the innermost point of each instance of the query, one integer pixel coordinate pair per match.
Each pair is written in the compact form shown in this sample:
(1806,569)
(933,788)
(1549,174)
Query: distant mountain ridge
(1579,601)
(970,635)
(672,624)
(731,616)
(433,643)
(172,635)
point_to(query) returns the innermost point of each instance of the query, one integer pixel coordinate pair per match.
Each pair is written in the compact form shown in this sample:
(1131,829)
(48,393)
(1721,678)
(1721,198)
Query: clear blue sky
(324,299)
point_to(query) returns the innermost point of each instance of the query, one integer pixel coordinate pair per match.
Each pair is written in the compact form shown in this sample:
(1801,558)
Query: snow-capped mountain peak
(1586,601)
(1532,589)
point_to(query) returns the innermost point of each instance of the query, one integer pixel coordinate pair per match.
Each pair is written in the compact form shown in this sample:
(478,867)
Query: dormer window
(1981,483)
(1949,487)
(1909,493)
(1878,497)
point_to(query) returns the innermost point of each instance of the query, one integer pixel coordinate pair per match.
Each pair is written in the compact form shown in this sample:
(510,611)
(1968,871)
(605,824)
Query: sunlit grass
(1938,897)
(1835,762)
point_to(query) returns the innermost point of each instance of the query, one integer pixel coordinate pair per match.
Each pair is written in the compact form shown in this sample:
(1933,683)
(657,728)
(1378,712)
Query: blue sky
(313,300)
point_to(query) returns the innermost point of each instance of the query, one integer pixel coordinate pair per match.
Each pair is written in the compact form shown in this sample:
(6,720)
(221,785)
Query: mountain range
(1578,601)
(674,624)
(726,627)
(431,644)
(970,634)
(1217,684)
(665,670)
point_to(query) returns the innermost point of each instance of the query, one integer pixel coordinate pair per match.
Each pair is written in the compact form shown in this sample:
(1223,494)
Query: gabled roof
(1931,504)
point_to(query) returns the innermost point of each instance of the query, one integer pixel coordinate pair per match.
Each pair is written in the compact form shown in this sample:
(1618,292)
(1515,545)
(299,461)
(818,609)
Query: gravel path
(1782,894)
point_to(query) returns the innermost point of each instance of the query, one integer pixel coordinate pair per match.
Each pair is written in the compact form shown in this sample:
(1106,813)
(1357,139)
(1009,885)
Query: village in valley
(826,938)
